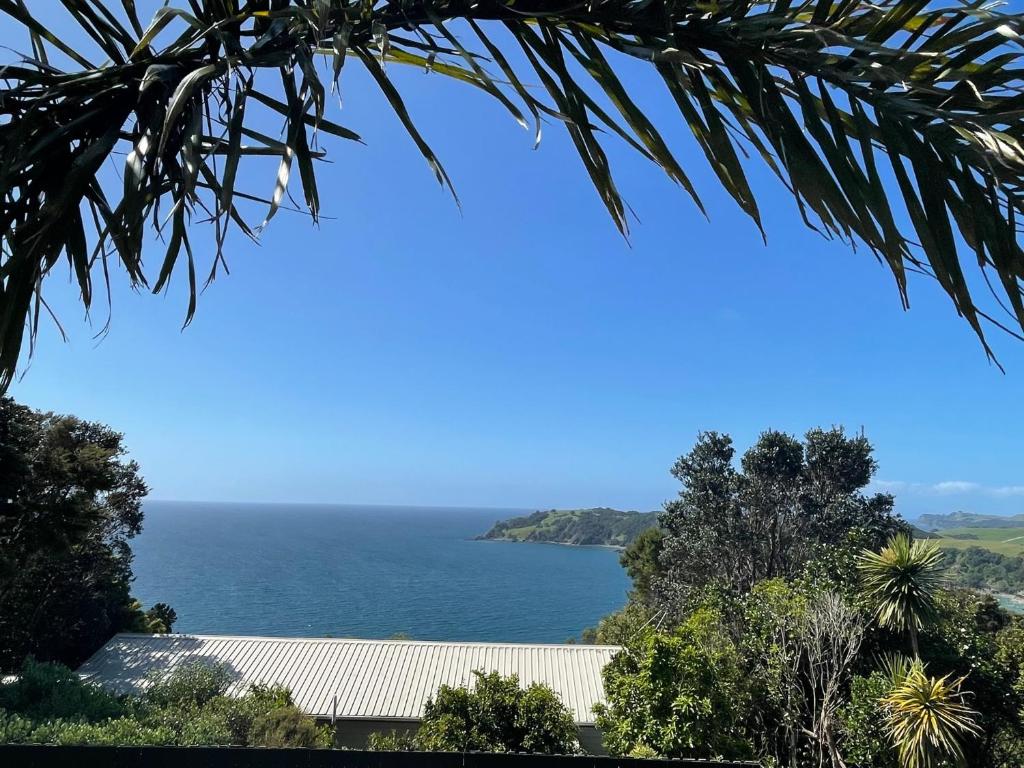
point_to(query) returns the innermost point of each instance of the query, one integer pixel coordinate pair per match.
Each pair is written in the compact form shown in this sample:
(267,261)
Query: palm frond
(862,108)
(901,581)
(927,717)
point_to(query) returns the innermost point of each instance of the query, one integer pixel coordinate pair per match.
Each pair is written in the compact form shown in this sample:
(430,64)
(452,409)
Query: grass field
(1005,541)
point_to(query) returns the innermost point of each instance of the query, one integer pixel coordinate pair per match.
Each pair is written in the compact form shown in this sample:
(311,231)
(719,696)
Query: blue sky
(519,352)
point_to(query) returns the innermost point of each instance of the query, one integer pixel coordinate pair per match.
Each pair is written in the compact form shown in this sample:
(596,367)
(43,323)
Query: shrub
(116,731)
(124,731)
(49,704)
(45,691)
(679,695)
(288,727)
(497,715)
(619,628)
(15,729)
(237,715)
(206,726)
(863,724)
(190,685)
(392,741)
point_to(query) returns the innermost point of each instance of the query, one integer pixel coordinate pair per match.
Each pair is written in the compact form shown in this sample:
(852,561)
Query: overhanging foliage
(836,96)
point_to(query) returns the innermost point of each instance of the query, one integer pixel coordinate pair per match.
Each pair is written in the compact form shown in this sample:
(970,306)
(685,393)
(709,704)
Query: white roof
(370,679)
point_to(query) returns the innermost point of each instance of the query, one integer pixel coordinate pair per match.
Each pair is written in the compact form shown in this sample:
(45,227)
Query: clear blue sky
(521,353)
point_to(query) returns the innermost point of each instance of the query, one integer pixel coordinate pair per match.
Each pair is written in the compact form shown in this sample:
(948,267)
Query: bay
(366,571)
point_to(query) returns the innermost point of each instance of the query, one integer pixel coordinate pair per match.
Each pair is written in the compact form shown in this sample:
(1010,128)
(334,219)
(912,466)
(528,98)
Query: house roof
(363,679)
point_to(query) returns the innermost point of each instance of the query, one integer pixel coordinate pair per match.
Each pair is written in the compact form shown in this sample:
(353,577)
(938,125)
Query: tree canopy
(70,502)
(789,503)
(896,124)
(769,620)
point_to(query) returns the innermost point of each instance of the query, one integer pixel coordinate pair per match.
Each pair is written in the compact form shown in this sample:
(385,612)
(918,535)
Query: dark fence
(38,756)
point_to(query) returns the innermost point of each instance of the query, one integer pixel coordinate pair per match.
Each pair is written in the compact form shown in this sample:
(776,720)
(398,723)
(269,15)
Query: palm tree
(824,91)
(925,716)
(901,581)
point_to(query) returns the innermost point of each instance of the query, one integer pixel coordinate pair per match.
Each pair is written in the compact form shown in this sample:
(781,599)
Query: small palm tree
(926,717)
(901,581)
(894,123)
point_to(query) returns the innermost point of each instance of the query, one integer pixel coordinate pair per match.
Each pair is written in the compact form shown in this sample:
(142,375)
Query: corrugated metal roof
(369,679)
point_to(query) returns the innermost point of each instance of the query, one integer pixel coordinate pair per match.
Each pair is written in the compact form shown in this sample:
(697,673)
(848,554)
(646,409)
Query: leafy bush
(619,628)
(237,715)
(865,743)
(49,704)
(45,691)
(288,727)
(392,741)
(679,694)
(205,726)
(496,715)
(123,731)
(15,729)
(190,685)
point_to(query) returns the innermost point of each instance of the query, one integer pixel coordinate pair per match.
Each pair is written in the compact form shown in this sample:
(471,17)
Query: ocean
(369,572)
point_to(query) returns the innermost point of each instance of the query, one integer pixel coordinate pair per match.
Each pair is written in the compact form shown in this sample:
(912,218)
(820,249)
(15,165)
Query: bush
(678,695)
(117,731)
(619,628)
(122,731)
(288,727)
(49,704)
(497,715)
(862,721)
(45,691)
(206,726)
(190,685)
(392,741)
(240,713)
(15,729)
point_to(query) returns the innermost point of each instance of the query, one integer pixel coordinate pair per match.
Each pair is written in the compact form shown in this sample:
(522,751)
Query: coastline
(615,547)
(1009,601)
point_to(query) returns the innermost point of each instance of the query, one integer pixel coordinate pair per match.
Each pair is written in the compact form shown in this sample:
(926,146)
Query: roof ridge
(368,640)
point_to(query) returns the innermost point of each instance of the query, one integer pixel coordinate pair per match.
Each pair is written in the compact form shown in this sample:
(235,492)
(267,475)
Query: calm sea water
(348,571)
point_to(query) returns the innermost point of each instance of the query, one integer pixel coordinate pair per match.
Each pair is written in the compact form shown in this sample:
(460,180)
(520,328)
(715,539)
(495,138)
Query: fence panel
(45,756)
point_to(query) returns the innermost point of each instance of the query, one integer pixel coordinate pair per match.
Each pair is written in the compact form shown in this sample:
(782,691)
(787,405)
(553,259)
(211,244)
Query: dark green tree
(70,501)
(788,504)
(642,561)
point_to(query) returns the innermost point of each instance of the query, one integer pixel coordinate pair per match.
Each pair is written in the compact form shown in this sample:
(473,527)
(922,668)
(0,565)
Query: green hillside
(982,551)
(985,557)
(980,568)
(1005,541)
(596,526)
(969,520)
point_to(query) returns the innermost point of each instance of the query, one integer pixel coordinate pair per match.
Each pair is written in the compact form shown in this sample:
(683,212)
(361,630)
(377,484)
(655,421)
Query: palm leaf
(861,108)
(927,717)
(901,582)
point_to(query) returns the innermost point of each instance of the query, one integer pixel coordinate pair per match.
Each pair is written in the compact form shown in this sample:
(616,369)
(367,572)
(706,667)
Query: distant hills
(604,526)
(968,520)
(983,551)
(597,526)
